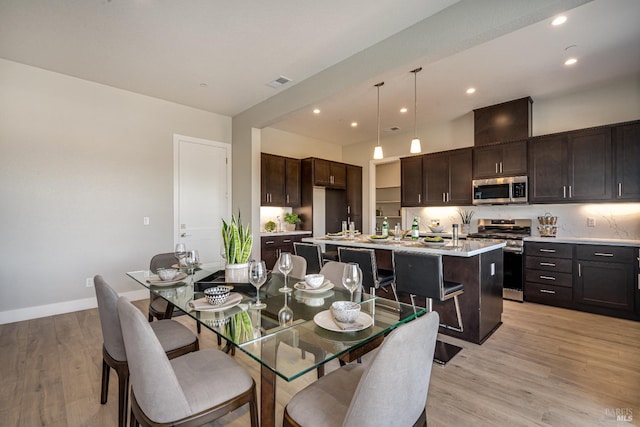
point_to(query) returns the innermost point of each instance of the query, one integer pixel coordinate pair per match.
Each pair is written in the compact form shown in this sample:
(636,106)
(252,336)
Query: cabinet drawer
(549,250)
(547,294)
(560,265)
(603,253)
(549,277)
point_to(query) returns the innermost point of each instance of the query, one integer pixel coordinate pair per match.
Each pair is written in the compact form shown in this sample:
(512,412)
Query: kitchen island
(477,265)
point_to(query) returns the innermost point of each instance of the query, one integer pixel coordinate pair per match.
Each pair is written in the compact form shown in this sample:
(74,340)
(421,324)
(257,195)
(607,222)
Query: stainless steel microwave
(500,191)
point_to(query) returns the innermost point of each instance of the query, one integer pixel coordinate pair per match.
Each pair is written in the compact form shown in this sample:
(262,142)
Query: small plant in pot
(292,219)
(237,241)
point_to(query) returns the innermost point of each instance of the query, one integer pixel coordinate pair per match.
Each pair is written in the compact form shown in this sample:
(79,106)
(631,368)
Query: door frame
(176,176)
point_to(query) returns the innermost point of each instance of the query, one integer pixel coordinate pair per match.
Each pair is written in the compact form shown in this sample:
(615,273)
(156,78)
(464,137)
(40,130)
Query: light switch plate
(591,221)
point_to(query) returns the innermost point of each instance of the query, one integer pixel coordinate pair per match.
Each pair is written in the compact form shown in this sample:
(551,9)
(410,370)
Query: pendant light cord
(415,100)
(378,86)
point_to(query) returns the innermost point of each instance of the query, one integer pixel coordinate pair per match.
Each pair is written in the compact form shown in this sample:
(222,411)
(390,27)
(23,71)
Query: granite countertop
(284,233)
(585,240)
(463,248)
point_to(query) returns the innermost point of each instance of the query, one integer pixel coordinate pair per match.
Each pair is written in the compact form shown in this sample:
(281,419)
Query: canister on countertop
(454,233)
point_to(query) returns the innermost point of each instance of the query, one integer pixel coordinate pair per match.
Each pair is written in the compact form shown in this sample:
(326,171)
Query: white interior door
(202,175)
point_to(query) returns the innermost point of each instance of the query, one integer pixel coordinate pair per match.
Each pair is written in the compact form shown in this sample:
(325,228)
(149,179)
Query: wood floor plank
(545,366)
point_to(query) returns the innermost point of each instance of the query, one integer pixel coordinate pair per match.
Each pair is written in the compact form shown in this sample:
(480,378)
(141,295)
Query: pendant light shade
(415,142)
(377,152)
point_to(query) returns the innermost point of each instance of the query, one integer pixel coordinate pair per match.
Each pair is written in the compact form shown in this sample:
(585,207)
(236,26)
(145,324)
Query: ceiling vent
(279,82)
(393,129)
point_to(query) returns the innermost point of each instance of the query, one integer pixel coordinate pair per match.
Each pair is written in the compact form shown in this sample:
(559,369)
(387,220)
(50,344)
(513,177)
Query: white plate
(335,237)
(201,304)
(324,319)
(378,240)
(157,281)
(182,267)
(301,286)
(433,243)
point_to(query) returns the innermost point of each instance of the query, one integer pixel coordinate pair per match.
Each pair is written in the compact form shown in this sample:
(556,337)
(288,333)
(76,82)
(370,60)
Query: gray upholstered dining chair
(299,267)
(389,391)
(312,253)
(333,271)
(191,390)
(159,308)
(175,340)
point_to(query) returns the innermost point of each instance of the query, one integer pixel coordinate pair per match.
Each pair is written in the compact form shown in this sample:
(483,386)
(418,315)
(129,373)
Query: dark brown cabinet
(605,276)
(272,246)
(411,181)
(279,181)
(500,160)
(447,178)
(354,195)
(329,174)
(627,161)
(571,167)
(548,273)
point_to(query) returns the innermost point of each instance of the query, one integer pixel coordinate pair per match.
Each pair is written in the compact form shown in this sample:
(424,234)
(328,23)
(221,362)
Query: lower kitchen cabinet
(272,246)
(605,277)
(600,279)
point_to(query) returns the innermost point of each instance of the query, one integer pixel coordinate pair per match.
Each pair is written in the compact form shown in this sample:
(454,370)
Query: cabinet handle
(602,254)
(548,250)
(546,291)
(444,197)
(547,278)
(448,197)
(286,241)
(496,167)
(500,167)
(547,264)
(287,199)
(619,189)
(579,270)
(564,191)
(348,209)
(570,196)
(419,198)
(269,242)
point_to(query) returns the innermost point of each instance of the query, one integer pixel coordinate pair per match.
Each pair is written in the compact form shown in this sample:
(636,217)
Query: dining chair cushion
(172,335)
(299,267)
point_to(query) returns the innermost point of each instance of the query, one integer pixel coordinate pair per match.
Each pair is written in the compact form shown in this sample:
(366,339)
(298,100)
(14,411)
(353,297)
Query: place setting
(167,277)
(345,316)
(314,284)
(218,298)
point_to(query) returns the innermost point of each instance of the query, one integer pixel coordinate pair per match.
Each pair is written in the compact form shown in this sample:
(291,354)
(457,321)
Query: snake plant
(237,241)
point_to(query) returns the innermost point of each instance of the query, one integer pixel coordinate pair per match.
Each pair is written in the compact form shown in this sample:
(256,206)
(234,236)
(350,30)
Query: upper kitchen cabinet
(491,161)
(411,181)
(329,174)
(279,181)
(627,161)
(571,167)
(447,178)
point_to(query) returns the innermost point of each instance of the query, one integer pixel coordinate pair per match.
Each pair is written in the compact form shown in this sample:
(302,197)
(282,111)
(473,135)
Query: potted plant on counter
(291,219)
(237,241)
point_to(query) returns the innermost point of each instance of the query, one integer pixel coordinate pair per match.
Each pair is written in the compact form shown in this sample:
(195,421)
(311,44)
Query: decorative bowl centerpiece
(345,311)
(217,295)
(436,228)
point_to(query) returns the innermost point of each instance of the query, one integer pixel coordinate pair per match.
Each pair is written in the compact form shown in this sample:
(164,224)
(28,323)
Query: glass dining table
(283,349)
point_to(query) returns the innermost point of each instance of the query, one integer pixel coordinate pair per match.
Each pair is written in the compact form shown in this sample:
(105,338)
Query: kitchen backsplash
(612,220)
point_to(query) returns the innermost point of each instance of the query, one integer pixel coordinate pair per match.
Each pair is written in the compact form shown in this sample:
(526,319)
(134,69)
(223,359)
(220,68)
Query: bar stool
(372,278)
(312,253)
(420,274)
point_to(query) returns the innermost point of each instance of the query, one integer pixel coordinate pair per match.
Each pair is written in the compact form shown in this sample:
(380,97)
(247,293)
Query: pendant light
(377,152)
(415,142)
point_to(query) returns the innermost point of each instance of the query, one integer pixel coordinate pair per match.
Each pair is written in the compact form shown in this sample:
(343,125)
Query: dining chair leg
(123,397)
(105,382)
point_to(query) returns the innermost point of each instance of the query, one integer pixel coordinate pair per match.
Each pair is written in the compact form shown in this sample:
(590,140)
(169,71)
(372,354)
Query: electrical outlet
(145,220)
(591,221)
(89,282)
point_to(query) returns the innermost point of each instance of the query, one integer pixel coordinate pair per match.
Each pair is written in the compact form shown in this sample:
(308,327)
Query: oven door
(513,276)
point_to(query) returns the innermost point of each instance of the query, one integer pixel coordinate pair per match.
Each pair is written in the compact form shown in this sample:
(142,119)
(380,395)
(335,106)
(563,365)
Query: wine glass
(285,315)
(192,259)
(180,252)
(257,277)
(352,277)
(285,265)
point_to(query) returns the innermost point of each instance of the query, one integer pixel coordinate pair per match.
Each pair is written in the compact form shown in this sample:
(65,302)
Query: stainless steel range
(512,232)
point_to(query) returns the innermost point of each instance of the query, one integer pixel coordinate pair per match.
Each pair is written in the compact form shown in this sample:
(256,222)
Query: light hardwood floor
(544,366)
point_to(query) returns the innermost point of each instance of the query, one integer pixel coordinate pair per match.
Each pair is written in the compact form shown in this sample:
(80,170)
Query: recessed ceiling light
(559,20)
(403,110)
(471,90)
(316,111)
(570,61)
(354,124)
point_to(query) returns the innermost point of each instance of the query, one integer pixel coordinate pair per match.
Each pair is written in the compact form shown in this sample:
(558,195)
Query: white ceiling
(167,49)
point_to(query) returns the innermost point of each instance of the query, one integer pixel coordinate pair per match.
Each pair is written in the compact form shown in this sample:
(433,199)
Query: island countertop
(463,248)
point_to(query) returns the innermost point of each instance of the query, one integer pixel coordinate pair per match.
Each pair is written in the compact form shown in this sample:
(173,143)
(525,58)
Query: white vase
(236,273)
(466,228)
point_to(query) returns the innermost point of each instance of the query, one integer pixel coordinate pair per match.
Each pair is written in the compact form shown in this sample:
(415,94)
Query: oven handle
(513,250)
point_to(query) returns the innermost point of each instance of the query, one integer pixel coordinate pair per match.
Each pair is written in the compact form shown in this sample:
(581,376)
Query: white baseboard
(62,307)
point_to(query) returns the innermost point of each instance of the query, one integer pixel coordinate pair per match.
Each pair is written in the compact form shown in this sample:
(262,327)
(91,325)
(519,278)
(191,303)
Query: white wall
(281,143)
(81,164)
(608,102)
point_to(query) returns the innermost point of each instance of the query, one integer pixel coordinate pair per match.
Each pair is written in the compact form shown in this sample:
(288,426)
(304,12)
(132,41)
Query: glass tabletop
(289,350)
